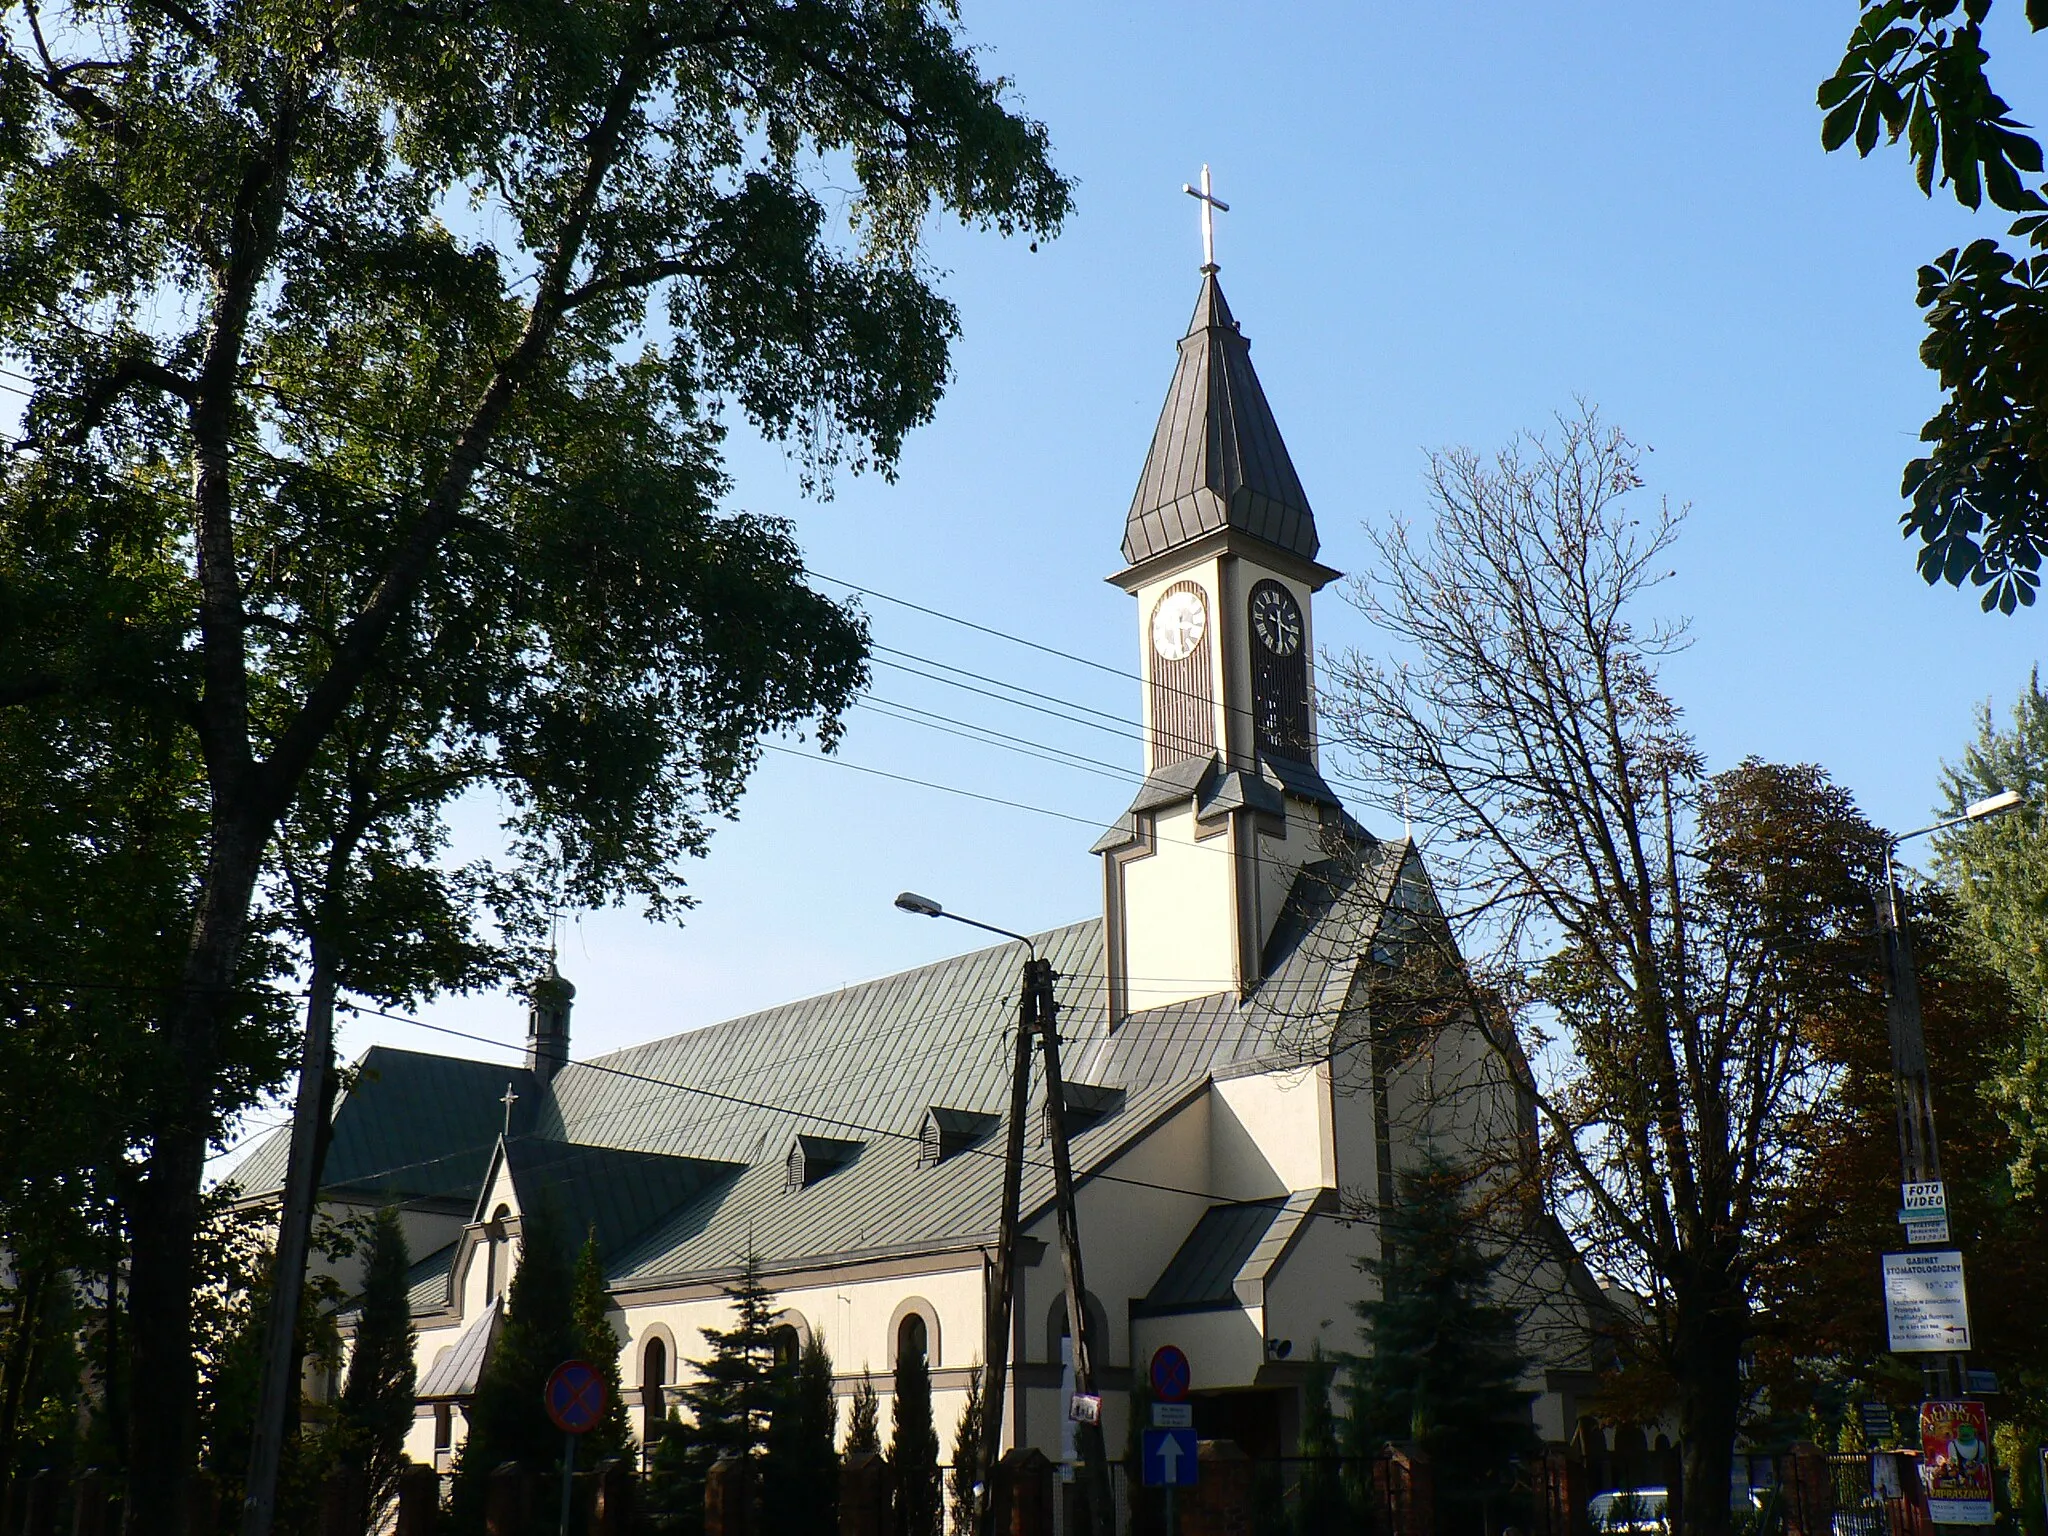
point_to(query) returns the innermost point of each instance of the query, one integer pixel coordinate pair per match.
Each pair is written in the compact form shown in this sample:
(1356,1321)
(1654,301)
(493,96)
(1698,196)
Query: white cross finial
(1211,206)
(508,1101)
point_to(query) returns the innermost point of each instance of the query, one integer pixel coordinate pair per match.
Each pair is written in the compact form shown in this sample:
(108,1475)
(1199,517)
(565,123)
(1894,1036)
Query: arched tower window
(912,1342)
(495,1254)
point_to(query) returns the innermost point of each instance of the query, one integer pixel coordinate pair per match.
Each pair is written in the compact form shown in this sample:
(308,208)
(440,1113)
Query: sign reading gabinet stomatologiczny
(1925,1308)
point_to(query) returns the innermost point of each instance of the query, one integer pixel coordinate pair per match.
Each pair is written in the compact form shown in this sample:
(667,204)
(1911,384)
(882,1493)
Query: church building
(1234,1128)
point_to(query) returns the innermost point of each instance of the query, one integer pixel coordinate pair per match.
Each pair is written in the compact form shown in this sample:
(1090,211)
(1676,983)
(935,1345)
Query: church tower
(1220,547)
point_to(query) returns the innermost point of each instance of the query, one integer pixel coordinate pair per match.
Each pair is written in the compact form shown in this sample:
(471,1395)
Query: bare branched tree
(1644,944)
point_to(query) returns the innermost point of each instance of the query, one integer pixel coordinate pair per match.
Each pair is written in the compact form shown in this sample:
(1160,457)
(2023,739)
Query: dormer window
(811,1158)
(1087,1106)
(947,1132)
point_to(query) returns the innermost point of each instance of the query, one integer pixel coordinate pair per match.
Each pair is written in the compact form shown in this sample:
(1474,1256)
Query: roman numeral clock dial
(1279,671)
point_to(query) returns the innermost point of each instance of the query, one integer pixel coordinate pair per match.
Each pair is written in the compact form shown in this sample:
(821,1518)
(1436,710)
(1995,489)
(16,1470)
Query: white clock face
(1178,624)
(1276,620)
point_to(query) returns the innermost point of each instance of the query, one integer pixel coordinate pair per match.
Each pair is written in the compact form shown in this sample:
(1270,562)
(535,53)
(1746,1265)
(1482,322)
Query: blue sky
(1447,223)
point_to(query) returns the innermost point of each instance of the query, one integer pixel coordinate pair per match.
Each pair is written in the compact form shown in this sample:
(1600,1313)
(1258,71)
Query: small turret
(547,1023)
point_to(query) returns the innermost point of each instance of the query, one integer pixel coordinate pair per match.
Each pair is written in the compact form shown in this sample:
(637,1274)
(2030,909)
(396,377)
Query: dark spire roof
(1217,459)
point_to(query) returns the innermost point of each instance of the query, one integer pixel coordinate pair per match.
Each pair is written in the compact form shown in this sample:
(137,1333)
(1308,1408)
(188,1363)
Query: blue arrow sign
(1170,1458)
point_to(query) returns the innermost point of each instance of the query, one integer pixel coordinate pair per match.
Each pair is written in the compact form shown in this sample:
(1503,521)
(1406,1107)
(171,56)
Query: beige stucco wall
(1179,915)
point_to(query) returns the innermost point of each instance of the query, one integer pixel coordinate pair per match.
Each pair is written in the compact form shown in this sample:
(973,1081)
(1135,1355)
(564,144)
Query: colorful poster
(1955,1462)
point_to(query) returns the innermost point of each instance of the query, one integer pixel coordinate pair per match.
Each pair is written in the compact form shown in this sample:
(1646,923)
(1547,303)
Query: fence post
(419,1500)
(1220,1503)
(864,1491)
(344,1502)
(729,1497)
(1023,1493)
(508,1501)
(611,1509)
(1808,1486)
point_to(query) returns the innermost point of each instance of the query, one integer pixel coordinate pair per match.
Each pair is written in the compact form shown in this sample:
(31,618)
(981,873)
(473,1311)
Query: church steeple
(1217,459)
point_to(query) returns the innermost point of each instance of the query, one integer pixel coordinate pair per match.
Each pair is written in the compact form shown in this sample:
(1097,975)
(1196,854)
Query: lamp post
(1037,1016)
(1919,1149)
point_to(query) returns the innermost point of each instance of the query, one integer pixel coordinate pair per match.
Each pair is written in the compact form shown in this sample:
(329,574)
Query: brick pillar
(612,1513)
(729,1497)
(202,1505)
(46,1492)
(1566,1488)
(1023,1494)
(864,1495)
(419,1500)
(508,1501)
(89,1506)
(1404,1492)
(1220,1503)
(344,1502)
(1808,1485)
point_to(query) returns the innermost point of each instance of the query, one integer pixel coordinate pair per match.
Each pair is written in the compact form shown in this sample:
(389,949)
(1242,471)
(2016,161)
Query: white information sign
(1923,1197)
(1173,1415)
(1925,1309)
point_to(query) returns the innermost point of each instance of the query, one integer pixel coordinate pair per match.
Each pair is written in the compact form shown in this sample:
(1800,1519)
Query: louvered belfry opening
(1183,693)
(811,1158)
(948,1132)
(1088,1104)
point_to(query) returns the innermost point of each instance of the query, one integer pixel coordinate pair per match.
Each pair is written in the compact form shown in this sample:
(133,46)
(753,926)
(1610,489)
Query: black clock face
(1276,618)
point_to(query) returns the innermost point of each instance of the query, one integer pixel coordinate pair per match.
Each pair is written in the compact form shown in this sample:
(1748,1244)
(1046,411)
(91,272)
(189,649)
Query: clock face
(1276,618)
(1178,624)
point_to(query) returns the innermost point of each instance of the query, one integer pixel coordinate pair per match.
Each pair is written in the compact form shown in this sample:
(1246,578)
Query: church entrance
(1261,1421)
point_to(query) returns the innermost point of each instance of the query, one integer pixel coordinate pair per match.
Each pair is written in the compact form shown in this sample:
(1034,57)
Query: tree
(800,1481)
(598,1342)
(1997,873)
(863,1425)
(376,1409)
(508,1418)
(1979,498)
(1647,942)
(1442,1366)
(1320,1504)
(732,1402)
(305,420)
(966,1470)
(914,1444)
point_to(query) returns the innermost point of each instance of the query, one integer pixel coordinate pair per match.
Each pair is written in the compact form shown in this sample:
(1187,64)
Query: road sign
(1878,1424)
(1170,1458)
(1171,1374)
(1173,1415)
(1925,1308)
(576,1397)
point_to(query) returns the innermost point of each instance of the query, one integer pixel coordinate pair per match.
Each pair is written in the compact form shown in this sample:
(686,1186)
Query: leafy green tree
(1442,1365)
(1918,70)
(731,1400)
(376,1408)
(508,1418)
(800,1475)
(914,1445)
(291,419)
(598,1342)
(864,1423)
(966,1468)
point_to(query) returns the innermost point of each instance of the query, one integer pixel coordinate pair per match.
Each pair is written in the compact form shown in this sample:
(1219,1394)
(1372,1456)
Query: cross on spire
(1211,206)
(508,1101)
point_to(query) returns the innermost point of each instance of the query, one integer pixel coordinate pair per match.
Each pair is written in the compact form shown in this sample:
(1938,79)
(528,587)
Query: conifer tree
(1442,1361)
(1148,1516)
(864,1425)
(731,1403)
(914,1444)
(1319,1498)
(598,1342)
(376,1407)
(508,1418)
(967,1457)
(800,1483)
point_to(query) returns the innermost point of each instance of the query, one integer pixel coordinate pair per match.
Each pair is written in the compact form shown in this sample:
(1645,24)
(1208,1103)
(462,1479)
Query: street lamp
(1037,1012)
(1919,1151)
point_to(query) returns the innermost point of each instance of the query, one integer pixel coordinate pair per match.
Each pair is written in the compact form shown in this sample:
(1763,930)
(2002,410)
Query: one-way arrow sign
(1170,1458)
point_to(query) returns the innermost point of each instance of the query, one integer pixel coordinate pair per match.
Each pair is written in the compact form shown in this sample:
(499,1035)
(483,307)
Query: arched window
(788,1347)
(495,1277)
(653,1377)
(912,1342)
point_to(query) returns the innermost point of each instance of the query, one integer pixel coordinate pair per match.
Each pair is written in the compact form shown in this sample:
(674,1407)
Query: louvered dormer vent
(811,1158)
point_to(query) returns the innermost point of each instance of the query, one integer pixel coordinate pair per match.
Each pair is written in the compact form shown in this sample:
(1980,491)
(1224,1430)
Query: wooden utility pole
(995,1350)
(1088,1437)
